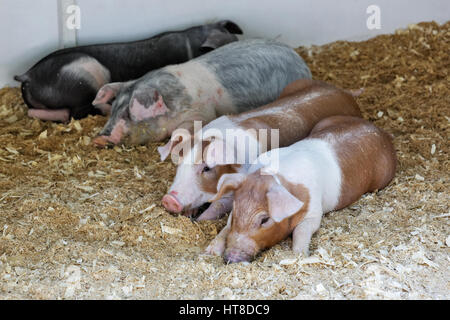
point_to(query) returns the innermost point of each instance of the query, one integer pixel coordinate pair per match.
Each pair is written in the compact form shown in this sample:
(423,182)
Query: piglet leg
(301,236)
(217,209)
(50,115)
(217,246)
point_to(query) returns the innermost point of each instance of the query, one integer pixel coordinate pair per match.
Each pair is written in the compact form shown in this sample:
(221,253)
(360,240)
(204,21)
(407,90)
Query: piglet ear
(228,182)
(164,150)
(217,39)
(106,93)
(143,107)
(230,26)
(282,204)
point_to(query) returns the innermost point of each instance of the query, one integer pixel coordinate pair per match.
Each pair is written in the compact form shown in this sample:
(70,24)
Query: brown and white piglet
(343,158)
(301,105)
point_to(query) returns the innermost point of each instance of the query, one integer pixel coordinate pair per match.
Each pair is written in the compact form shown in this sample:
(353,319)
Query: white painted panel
(29,28)
(28,31)
(297,22)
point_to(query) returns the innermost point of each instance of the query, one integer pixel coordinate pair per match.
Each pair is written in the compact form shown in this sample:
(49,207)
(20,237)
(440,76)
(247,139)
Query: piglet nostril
(235,257)
(171,203)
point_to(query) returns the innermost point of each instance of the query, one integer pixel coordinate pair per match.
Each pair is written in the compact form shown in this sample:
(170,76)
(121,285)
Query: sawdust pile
(78,222)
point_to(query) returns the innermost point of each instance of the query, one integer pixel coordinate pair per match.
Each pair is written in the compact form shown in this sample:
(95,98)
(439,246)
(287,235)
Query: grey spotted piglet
(231,79)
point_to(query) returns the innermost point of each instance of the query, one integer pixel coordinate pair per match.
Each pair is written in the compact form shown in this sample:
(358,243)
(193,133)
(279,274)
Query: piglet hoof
(216,248)
(356,92)
(302,251)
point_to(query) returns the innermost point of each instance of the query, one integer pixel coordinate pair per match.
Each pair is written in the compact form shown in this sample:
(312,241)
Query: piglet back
(301,105)
(365,155)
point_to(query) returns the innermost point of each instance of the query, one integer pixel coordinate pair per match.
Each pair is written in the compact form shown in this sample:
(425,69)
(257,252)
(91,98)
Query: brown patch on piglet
(373,167)
(301,105)
(209,180)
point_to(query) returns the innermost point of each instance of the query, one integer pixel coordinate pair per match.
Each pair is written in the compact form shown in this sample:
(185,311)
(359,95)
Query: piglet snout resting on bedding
(343,158)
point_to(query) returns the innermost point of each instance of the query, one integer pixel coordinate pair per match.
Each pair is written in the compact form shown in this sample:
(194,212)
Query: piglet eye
(264,220)
(206,169)
(126,114)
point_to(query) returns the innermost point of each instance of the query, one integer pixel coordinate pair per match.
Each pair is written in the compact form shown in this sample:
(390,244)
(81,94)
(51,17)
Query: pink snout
(235,256)
(171,203)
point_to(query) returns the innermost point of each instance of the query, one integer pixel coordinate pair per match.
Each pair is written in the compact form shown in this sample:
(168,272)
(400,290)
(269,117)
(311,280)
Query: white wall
(30,28)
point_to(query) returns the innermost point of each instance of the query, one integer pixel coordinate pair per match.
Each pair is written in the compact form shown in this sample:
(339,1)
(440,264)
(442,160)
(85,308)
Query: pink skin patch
(117,133)
(50,115)
(115,137)
(139,112)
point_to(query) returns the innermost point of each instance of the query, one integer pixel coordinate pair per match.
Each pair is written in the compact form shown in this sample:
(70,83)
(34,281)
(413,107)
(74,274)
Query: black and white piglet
(64,83)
